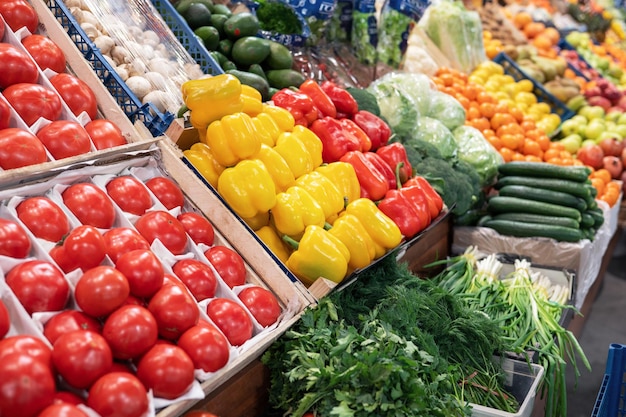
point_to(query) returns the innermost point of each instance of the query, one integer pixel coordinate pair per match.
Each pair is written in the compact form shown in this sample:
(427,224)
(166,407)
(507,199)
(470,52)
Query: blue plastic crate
(563,44)
(186,37)
(511,68)
(611,400)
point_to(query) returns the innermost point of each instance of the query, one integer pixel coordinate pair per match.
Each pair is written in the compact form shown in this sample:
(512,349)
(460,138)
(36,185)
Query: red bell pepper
(382,166)
(336,140)
(298,104)
(350,126)
(399,208)
(435,202)
(418,198)
(375,127)
(374,184)
(343,100)
(321,100)
(395,156)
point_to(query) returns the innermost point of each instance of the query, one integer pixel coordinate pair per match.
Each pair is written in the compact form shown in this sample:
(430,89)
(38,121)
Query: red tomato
(5,320)
(14,241)
(32,101)
(58,255)
(101,290)
(28,345)
(167,370)
(199,229)
(16,66)
(136,301)
(120,240)
(18,13)
(174,310)
(66,397)
(26,387)
(19,148)
(5,113)
(121,367)
(1,32)
(206,346)
(165,227)
(130,194)
(62,410)
(45,52)
(78,96)
(232,319)
(68,321)
(166,191)
(90,205)
(64,138)
(262,304)
(118,394)
(143,270)
(85,246)
(228,264)
(199,413)
(39,285)
(197,276)
(81,357)
(130,331)
(105,134)
(44,218)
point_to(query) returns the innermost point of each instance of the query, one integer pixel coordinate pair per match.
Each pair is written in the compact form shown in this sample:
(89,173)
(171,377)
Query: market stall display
(278,161)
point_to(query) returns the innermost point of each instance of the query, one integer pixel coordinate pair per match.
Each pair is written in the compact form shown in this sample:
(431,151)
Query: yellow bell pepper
(276,166)
(202,159)
(311,141)
(266,128)
(318,254)
(232,138)
(344,177)
(295,209)
(353,234)
(259,221)
(283,118)
(295,152)
(270,237)
(248,188)
(379,226)
(324,192)
(252,103)
(211,98)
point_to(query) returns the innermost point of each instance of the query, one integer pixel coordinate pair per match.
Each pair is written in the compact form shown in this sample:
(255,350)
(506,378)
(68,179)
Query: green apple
(592,112)
(594,129)
(579,118)
(622,119)
(588,142)
(609,125)
(607,135)
(572,143)
(613,116)
(620,130)
(571,126)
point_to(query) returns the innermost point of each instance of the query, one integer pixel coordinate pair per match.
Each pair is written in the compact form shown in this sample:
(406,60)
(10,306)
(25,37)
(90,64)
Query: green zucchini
(520,229)
(501,204)
(587,220)
(538,218)
(544,170)
(571,187)
(547,196)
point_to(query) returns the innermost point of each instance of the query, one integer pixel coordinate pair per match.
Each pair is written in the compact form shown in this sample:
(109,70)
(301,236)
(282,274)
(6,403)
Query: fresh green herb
(392,35)
(364,36)
(277,17)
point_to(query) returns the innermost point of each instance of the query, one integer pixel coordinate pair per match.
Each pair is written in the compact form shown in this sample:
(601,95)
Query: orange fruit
(552,34)
(487,110)
(533,29)
(507,154)
(521,19)
(602,174)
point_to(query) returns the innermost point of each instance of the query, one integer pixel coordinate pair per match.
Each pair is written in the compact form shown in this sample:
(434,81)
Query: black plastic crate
(511,68)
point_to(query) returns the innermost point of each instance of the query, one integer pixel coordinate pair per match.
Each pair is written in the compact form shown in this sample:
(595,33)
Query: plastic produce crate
(522,382)
(610,400)
(186,37)
(511,68)
(563,44)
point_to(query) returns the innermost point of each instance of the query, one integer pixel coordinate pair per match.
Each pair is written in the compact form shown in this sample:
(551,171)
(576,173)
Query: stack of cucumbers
(232,40)
(537,199)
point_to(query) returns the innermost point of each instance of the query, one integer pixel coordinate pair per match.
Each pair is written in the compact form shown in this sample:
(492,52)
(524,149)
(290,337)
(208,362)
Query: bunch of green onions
(528,307)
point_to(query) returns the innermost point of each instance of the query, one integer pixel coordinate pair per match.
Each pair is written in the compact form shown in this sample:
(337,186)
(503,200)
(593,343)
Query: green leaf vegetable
(392,34)
(363,24)
(277,17)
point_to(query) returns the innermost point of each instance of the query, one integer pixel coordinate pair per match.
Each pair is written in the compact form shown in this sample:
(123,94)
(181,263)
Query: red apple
(623,179)
(613,164)
(592,92)
(591,155)
(622,101)
(603,83)
(623,156)
(611,147)
(600,101)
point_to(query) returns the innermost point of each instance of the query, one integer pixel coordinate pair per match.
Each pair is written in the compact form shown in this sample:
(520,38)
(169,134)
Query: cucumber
(520,229)
(589,234)
(253,80)
(587,220)
(546,196)
(598,217)
(501,204)
(571,187)
(538,218)
(544,170)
